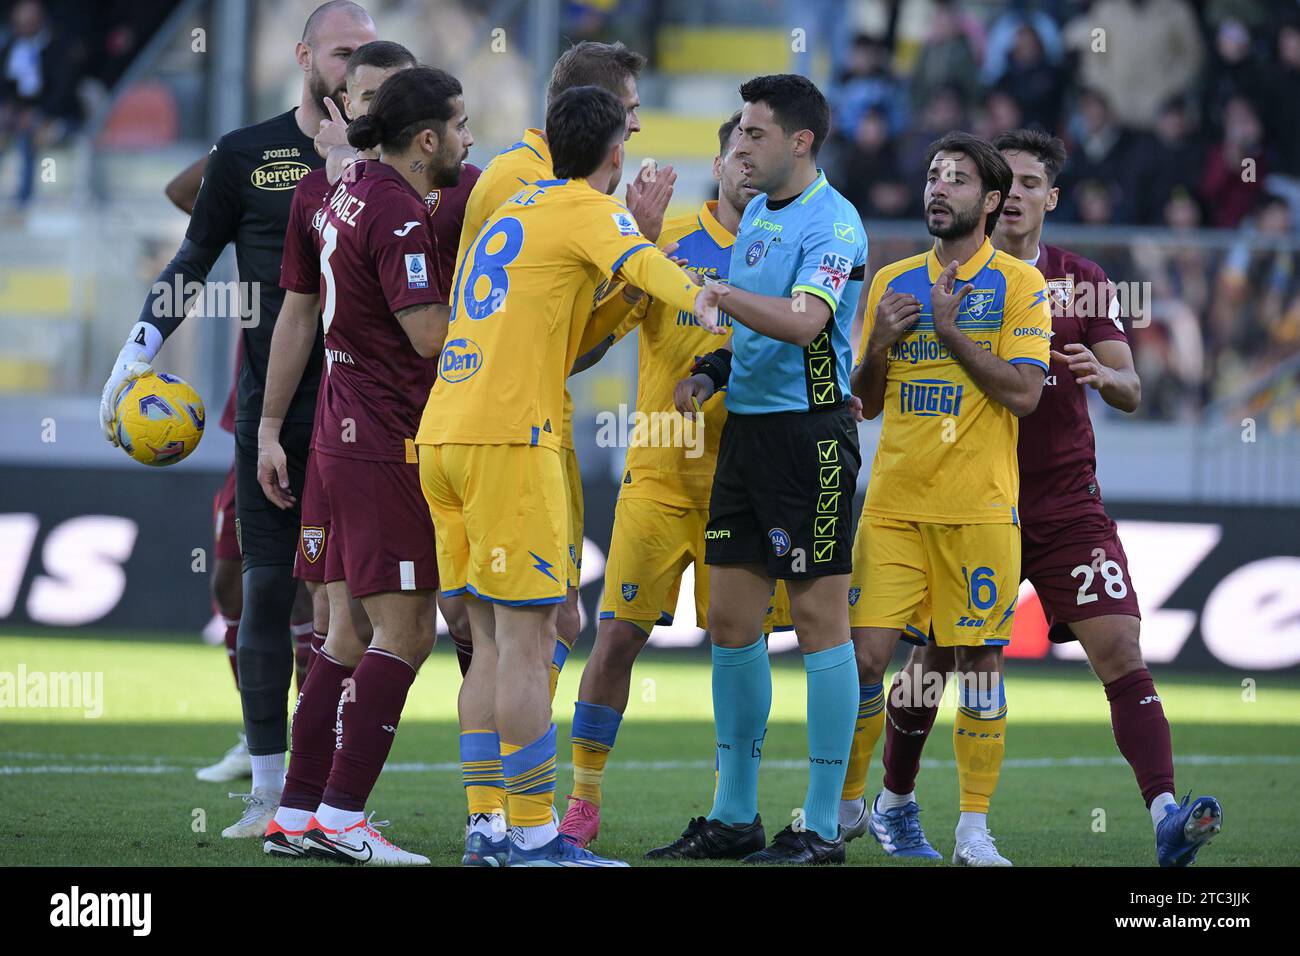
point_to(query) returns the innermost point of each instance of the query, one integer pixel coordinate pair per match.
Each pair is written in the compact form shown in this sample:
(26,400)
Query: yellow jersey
(521,300)
(525,162)
(669,458)
(947,452)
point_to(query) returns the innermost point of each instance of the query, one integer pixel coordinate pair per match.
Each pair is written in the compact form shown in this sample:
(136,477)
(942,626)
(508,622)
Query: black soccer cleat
(805,847)
(705,839)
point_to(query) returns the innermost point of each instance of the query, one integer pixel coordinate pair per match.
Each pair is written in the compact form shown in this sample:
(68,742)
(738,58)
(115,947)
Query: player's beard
(448,170)
(320,91)
(960,223)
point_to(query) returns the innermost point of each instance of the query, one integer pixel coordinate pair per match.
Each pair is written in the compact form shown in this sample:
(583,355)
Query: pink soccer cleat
(581,823)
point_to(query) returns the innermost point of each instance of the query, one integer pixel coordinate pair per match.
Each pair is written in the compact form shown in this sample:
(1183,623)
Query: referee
(245,197)
(782,498)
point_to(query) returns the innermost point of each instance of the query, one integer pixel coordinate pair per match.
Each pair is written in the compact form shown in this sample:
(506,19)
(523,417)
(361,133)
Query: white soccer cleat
(235,765)
(360,843)
(978,850)
(854,818)
(258,814)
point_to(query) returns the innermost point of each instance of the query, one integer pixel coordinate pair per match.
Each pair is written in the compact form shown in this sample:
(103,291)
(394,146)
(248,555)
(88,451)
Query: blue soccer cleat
(1186,828)
(559,852)
(899,831)
(482,850)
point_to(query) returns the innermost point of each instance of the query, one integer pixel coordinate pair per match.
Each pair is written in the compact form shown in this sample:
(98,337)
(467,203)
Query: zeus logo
(405,229)
(929,398)
(543,565)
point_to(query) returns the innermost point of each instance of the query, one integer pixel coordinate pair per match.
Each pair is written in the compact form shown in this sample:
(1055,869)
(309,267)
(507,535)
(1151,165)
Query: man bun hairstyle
(406,104)
(1048,149)
(581,125)
(607,65)
(993,170)
(795,102)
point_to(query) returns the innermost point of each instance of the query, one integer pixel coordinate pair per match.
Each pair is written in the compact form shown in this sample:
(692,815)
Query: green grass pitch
(119,789)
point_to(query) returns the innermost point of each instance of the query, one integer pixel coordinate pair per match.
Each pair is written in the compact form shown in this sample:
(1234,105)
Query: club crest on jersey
(977,302)
(629,590)
(432,200)
(313,543)
(780,540)
(318,220)
(417,273)
(754,252)
(1062,291)
(854,594)
(626,224)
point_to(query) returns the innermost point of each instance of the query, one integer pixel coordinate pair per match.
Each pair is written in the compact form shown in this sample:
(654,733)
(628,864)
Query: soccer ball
(159,419)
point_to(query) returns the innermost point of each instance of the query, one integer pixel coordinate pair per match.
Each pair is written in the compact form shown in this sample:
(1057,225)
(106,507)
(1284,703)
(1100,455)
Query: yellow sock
(979,741)
(530,780)
(480,761)
(562,648)
(588,771)
(866,732)
(595,728)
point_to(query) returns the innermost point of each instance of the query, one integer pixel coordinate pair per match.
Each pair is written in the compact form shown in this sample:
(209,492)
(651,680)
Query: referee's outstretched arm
(797,319)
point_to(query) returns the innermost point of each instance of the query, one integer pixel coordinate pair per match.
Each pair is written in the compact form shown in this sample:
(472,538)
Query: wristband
(142,344)
(716,366)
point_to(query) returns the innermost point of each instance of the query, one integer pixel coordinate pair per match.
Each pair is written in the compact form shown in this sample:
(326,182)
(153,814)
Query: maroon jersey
(446,216)
(1057,451)
(375,259)
(300,264)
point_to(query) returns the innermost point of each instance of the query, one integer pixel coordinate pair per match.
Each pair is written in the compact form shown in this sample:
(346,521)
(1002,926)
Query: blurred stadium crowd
(1180,118)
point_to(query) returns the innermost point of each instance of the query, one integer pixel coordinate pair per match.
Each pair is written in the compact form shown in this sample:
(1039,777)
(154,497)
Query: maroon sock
(906,730)
(1142,732)
(232,635)
(464,652)
(313,734)
(369,724)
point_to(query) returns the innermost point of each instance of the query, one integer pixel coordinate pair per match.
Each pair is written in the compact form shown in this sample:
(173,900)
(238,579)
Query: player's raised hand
(1086,367)
(272,469)
(648,195)
(896,312)
(692,392)
(706,306)
(945,301)
(127,368)
(333,131)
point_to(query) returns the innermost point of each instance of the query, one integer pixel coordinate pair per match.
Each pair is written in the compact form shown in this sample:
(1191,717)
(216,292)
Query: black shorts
(268,535)
(783,493)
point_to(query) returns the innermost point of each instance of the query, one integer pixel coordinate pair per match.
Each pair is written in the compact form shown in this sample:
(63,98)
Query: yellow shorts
(961,580)
(651,545)
(573,488)
(499,518)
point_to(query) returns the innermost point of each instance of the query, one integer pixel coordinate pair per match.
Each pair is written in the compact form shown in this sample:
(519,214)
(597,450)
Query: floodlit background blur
(1183,181)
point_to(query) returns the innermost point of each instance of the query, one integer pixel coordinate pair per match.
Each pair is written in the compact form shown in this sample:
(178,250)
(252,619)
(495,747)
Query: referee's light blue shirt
(814,244)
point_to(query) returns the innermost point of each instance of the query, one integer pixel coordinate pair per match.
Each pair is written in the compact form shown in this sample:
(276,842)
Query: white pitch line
(1014,763)
(8,771)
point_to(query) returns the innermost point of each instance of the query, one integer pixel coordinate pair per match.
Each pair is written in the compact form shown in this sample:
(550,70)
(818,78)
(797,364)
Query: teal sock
(832,714)
(742,699)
